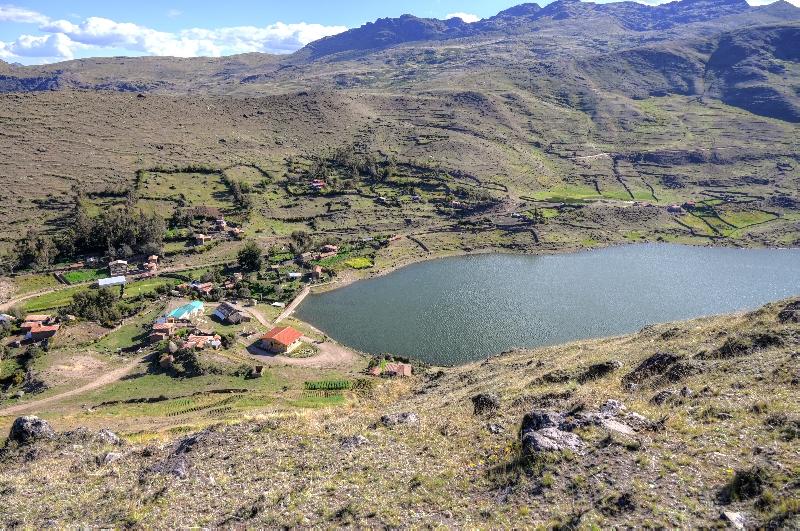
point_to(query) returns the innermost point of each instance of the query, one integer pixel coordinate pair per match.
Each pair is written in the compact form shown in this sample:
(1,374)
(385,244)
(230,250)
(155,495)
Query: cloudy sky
(45,31)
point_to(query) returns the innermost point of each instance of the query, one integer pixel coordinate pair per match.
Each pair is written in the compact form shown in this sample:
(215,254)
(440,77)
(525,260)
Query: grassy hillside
(709,425)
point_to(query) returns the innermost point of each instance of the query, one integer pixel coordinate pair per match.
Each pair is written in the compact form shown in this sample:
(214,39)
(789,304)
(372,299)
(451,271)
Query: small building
(318,184)
(236,232)
(392,370)
(201,239)
(294,275)
(153,259)
(220,224)
(675,209)
(111,281)
(317,272)
(199,342)
(35,321)
(278,304)
(228,313)
(161,331)
(5,318)
(187,312)
(118,268)
(281,340)
(204,288)
(41,332)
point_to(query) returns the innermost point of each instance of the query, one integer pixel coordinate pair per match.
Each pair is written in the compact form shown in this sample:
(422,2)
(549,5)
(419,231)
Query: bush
(250,257)
(101,306)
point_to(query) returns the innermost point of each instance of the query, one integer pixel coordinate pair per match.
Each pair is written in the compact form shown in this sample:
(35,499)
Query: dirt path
(259,316)
(293,305)
(104,380)
(330,355)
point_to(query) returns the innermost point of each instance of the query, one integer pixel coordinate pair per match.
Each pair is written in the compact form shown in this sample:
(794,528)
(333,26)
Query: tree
(100,306)
(250,256)
(301,241)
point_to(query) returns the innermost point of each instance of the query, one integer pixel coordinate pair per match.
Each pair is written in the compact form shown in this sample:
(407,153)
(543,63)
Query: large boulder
(538,419)
(29,429)
(542,432)
(395,419)
(550,440)
(599,370)
(484,403)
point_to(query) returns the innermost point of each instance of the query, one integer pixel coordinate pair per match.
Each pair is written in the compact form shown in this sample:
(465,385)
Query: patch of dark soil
(654,366)
(598,370)
(790,313)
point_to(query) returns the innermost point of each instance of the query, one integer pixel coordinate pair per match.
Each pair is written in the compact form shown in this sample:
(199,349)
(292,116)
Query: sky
(46,31)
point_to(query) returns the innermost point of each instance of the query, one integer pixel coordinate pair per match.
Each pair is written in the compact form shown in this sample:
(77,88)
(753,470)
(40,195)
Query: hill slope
(705,421)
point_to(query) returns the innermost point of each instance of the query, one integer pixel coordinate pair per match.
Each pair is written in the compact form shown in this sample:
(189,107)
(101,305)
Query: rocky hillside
(691,424)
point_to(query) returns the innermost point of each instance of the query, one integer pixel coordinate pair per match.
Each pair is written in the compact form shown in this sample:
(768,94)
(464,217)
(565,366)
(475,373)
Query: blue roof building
(187,311)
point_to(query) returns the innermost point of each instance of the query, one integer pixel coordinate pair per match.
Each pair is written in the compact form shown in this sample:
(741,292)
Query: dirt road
(293,305)
(108,378)
(330,355)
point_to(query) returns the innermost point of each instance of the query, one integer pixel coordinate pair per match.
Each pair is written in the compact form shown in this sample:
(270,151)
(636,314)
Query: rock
(395,419)
(109,437)
(110,457)
(612,408)
(350,443)
(485,403)
(550,440)
(26,430)
(495,429)
(599,370)
(790,313)
(737,520)
(617,426)
(662,397)
(539,419)
(686,392)
(639,422)
(172,348)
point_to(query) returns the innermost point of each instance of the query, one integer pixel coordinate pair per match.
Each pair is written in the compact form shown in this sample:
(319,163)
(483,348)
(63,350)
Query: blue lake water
(459,309)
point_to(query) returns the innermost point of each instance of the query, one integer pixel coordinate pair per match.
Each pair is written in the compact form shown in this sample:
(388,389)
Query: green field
(85,275)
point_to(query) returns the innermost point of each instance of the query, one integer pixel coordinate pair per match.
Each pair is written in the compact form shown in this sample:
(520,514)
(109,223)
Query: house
(203,288)
(392,370)
(111,281)
(317,272)
(281,340)
(118,268)
(235,231)
(35,321)
(152,259)
(228,313)
(318,184)
(197,341)
(187,312)
(220,224)
(161,331)
(397,370)
(294,275)
(201,239)
(278,304)
(674,209)
(41,332)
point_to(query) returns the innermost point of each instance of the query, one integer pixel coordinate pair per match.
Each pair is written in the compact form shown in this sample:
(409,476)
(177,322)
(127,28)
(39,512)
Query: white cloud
(174,13)
(469,18)
(9,13)
(61,38)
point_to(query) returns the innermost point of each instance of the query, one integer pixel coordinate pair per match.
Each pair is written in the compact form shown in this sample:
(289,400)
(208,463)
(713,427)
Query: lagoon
(455,310)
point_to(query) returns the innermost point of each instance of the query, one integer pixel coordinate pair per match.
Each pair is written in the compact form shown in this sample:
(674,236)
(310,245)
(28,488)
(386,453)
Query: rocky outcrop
(396,419)
(27,430)
(485,403)
(790,313)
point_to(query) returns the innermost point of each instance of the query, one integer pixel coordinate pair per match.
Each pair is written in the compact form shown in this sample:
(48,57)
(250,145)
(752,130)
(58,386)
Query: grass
(359,262)
(32,283)
(85,275)
(50,301)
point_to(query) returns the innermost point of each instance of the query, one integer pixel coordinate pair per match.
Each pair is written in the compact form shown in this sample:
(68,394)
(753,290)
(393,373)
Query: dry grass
(288,467)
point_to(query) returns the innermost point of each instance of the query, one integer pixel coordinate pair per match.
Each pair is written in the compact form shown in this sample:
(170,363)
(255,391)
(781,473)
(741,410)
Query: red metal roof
(284,335)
